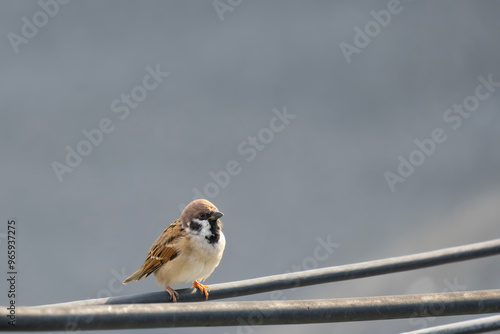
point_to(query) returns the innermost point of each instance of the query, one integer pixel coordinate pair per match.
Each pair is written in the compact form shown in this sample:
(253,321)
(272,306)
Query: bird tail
(138,275)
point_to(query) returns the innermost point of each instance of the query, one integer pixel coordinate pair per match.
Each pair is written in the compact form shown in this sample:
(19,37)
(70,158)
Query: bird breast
(198,260)
(199,257)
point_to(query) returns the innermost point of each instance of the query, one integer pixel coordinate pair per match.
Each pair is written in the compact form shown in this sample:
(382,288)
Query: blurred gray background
(320,176)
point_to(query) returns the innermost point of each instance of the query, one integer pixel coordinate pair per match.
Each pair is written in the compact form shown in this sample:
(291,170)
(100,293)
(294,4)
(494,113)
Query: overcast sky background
(320,176)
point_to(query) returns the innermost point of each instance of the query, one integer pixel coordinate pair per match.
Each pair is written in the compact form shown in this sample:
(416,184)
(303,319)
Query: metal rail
(252,313)
(481,325)
(311,277)
(152,310)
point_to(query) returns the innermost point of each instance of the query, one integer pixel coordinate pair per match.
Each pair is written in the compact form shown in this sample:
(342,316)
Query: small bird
(188,250)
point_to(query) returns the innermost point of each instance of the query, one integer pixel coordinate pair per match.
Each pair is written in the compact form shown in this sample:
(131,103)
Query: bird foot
(173,294)
(203,288)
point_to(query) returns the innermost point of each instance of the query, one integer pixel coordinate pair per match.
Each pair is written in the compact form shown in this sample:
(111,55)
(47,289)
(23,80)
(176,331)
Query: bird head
(200,210)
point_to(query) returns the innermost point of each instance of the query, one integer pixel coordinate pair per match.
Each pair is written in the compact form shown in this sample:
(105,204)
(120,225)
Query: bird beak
(216,215)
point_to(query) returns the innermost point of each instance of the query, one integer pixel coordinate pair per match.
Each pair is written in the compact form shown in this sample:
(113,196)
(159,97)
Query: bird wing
(162,251)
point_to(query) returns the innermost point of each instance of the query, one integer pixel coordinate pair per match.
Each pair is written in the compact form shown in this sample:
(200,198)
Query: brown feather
(162,250)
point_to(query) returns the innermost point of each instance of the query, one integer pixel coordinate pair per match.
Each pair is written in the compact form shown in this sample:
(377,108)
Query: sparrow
(188,250)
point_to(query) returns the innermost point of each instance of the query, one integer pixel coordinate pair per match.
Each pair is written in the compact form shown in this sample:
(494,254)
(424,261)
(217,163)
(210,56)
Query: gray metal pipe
(246,313)
(481,325)
(311,277)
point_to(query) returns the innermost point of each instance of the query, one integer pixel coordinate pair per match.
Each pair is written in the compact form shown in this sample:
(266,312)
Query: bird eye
(203,216)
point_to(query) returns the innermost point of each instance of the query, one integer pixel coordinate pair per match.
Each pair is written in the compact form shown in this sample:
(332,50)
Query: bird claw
(173,294)
(203,288)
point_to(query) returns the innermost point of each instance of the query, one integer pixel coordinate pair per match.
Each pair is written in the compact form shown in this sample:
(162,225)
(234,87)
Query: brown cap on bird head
(195,208)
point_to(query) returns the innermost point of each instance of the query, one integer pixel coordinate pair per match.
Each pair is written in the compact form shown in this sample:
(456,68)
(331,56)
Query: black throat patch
(215,230)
